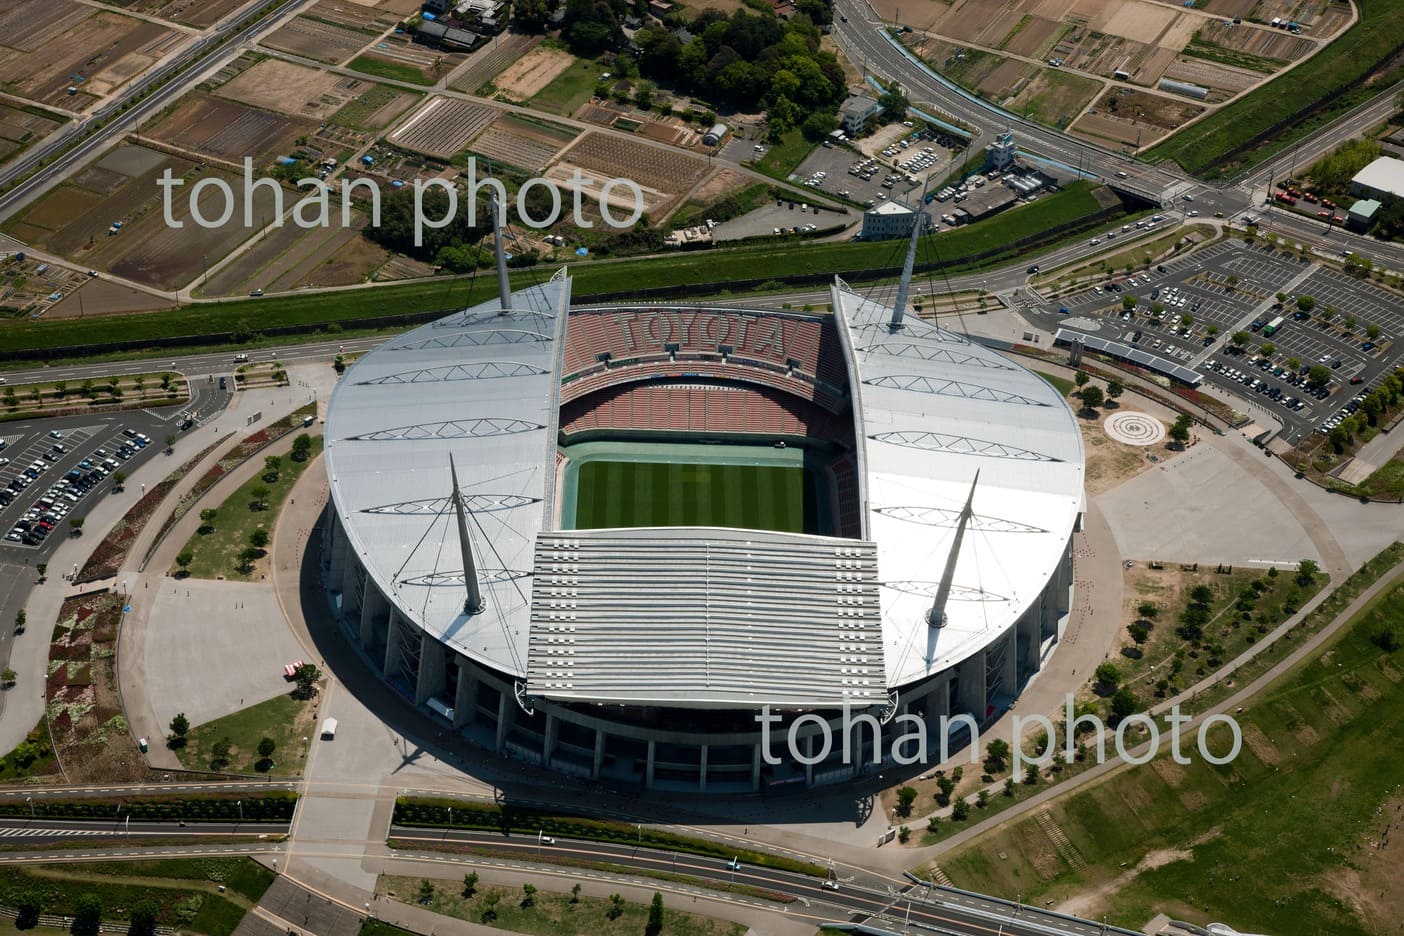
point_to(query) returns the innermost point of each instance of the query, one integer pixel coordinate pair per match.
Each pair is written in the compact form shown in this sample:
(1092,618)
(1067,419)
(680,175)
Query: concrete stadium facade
(644,656)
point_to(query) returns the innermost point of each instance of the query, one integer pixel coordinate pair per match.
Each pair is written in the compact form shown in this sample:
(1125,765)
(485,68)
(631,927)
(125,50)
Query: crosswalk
(49,833)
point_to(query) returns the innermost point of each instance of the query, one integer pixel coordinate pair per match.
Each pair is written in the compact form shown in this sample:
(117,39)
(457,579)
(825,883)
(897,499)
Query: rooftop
(1385,174)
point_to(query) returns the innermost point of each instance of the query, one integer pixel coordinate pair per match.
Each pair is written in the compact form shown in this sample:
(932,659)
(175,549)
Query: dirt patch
(1372,883)
(229,130)
(322,42)
(650,167)
(57,41)
(1089,902)
(524,78)
(1260,745)
(1109,462)
(1144,109)
(104,297)
(285,87)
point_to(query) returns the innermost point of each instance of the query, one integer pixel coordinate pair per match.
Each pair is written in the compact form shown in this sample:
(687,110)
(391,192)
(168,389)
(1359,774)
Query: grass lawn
(340,311)
(284,719)
(1217,145)
(33,758)
(570,89)
(215,554)
(551,914)
(187,892)
(395,71)
(780,159)
(1283,839)
(642,494)
(1387,481)
(1061,384)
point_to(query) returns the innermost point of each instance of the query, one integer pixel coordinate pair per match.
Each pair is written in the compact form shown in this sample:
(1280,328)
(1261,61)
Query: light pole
(30,801)
(240,804)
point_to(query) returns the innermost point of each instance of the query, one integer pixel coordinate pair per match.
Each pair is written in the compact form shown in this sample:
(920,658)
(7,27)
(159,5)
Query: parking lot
(52,470)
(1230,287)
(841,178)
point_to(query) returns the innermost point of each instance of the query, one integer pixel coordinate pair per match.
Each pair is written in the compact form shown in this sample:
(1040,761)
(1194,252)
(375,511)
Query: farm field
(374,108)
(299,91)
(318,40)
(1134,118)
(228,130)
(442,127)
(529,75)
(186,12)
(570,89)
(663,176)
(22,128)
(1138,843)
(1269,118)
(73,221)
(524,144)
(481,66)
(290,258)
(104,297)
(49,43)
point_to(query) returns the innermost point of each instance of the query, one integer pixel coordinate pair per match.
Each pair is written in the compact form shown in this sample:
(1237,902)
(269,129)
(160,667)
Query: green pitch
(639,493)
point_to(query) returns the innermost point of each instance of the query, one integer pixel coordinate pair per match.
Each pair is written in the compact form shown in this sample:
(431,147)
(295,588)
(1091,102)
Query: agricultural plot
(1137,118)
(609,157)
(19,129)
(365,17)
(1049,95)
(229,131)
(442,127)
(527,145)
(47,45)
(374,108)
(527,76)
(285,87)
(1223,81)
(290,257)
(482,65)
(321,41)
(1244,46)
(186,12)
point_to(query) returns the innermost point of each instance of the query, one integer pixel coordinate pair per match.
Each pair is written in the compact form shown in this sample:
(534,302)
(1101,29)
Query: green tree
(302,447)
(260,497)
(119,480)
(528,895)
(219,753)
(1307,570)
(1129,303)
(306,678)
(945,786)
(87,913)
(8,677)
(258,538)
(1091,397)
(1201,595)
(1031,775)
(961,810)
(426,891)
(1319,374)
(1108,675)
(180,725)
(1140,633)
(1268,349)
(183,560)
(1115,389)
(244,561)
(906,796)
(1211,330)
(142,916)
(207,519)
(20,619)
(1294,364)
(490,901)
(655,915)
(894,102)
(1180,430)
(470,883)
(997,754)
(575,893)
(77,524)
(1081,378)
(616,907)
(272,465)
(1239,338)
(1372,331)
(170,443)
(1306,303)
(29,903)
(1350,322)
(982,799)
(1148,610)
(1124,703)
(266,747)
(1009,786)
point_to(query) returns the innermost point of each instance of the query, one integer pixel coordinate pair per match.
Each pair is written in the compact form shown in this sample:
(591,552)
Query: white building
(887,221)
(1383,179)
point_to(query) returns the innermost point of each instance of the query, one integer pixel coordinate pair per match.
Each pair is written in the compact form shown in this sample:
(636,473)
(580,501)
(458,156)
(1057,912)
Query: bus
(1272,326)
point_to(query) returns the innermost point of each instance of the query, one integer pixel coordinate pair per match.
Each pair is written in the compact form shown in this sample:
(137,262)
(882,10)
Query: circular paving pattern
(1134,428)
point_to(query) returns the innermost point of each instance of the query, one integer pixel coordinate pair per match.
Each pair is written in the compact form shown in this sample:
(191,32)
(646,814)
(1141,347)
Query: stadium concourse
(607,539)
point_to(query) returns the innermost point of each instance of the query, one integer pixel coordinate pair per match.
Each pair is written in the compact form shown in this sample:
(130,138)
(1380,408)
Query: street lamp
(240,804)
(30,801)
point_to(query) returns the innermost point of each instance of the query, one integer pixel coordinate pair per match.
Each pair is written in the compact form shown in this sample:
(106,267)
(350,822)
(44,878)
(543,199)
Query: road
(917,903)
(41,831)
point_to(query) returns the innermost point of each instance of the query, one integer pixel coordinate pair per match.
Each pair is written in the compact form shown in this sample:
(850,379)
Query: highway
(40,830)
(918,903)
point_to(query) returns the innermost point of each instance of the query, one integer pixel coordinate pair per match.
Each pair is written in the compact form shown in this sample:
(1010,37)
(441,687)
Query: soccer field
(640,493)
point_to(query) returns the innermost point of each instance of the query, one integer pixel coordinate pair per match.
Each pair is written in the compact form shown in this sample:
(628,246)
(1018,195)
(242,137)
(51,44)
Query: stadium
(604,539)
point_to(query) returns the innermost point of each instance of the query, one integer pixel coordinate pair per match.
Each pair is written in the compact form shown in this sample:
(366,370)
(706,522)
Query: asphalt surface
(41,830)
(919,904)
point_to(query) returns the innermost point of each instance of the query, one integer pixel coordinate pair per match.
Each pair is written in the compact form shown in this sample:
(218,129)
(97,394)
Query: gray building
(855,113)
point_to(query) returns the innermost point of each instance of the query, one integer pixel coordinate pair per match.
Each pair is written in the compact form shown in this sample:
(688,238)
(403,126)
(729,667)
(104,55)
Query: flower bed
(81,699)
(108,556)
(241,453)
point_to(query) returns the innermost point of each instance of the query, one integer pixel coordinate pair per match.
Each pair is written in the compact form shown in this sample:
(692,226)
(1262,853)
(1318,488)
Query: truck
(328,729)
(1272,326)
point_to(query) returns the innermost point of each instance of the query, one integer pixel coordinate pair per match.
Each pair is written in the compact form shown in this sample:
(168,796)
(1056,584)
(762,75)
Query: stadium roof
(931,407)
(1385,174)
(934,408)
(698,617)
